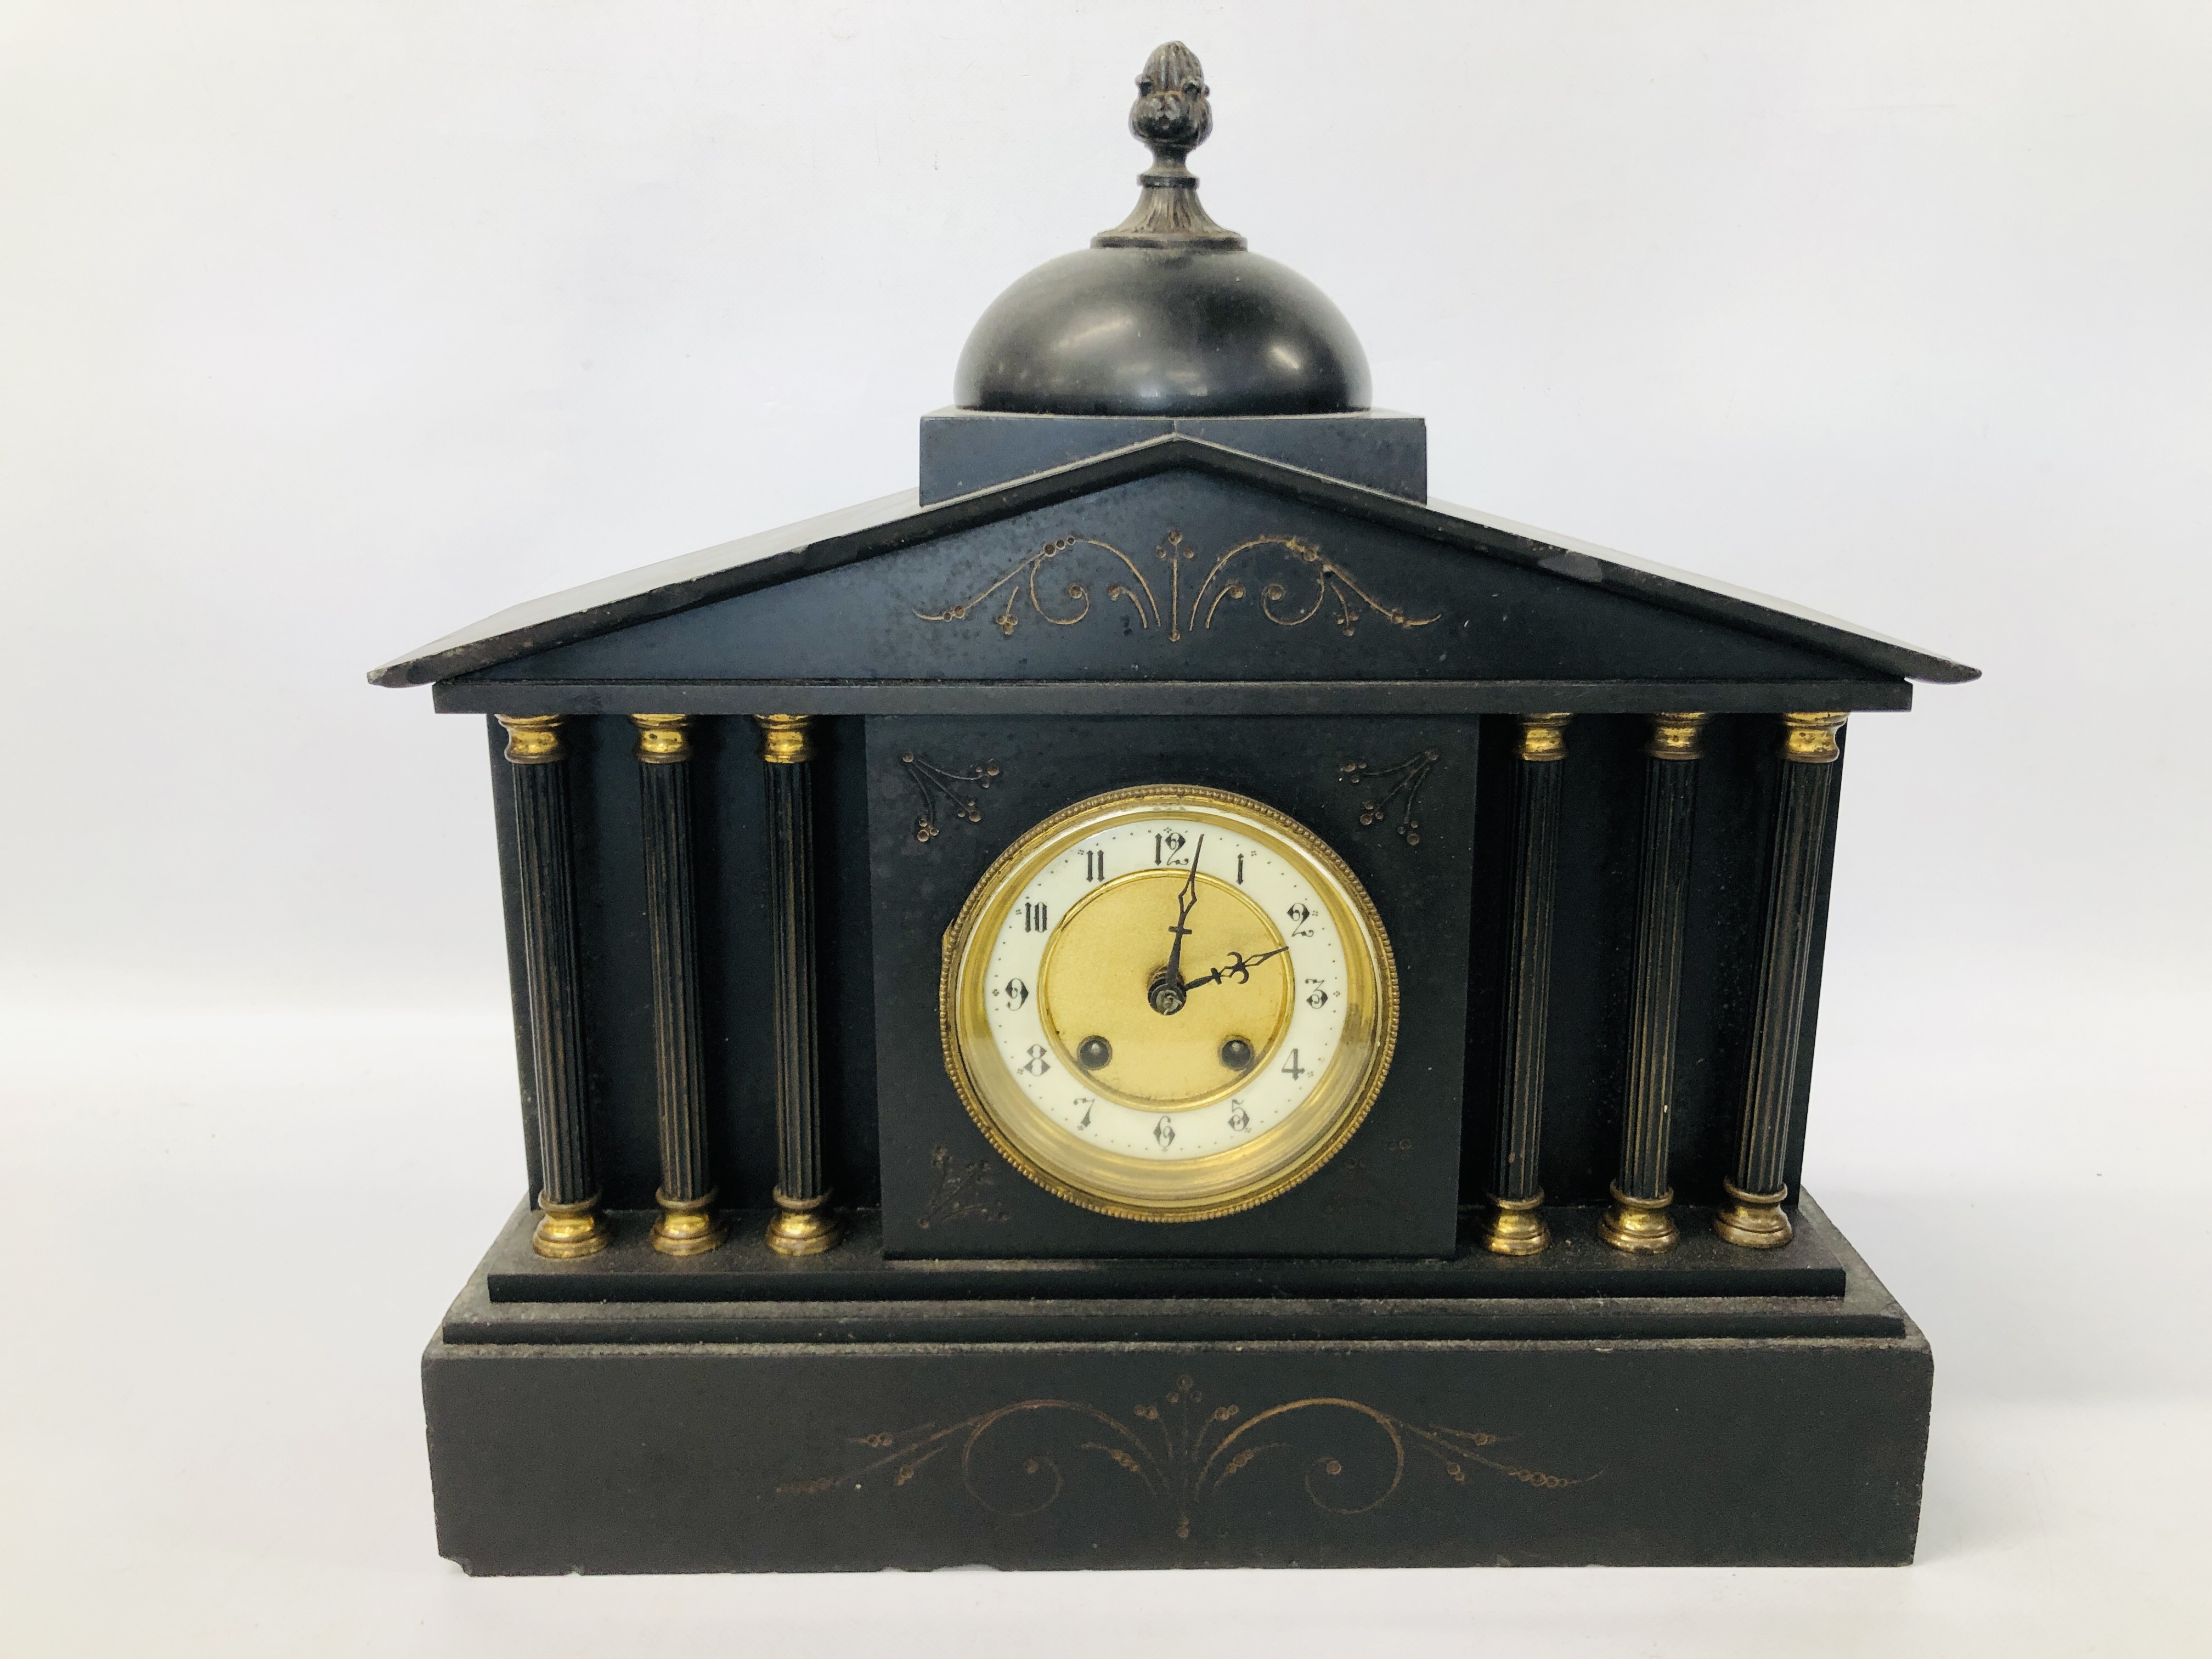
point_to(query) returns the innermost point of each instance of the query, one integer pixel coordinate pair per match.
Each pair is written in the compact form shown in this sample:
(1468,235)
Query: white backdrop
(325,329)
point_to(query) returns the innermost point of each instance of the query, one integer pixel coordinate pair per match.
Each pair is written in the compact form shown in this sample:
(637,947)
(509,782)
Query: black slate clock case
(771,1301)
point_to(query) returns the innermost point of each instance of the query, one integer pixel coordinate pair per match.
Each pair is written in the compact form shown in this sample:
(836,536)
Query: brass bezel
(1316,1130)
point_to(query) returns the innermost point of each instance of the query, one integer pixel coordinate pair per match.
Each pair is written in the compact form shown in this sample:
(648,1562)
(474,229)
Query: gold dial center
(1094,990)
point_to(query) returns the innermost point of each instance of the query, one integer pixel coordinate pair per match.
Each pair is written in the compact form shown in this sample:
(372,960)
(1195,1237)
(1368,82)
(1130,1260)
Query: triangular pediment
(1172,560)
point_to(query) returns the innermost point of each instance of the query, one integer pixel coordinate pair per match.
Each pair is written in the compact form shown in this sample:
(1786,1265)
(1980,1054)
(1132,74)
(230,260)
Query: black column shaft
(1662,889)
(570,1183)
(664,796)
(802,1185)
(1515,1186)
(1527,998)
(1637,1219)
(549,954)
(791,925)
(1804,812)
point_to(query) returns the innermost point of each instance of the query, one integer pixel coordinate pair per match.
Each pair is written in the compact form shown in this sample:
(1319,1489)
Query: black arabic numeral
(1239,1119)
(1292,1069)
(1094,865)
(1240,869)
(1163,1132)
(1034,917)
(1015,993)
(1038,1065)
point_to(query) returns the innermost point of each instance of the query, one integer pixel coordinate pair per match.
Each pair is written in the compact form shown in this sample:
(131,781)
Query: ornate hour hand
(1241,966)
(1166,995)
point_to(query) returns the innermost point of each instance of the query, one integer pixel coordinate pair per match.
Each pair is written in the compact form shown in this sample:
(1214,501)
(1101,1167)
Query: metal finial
(1172,118)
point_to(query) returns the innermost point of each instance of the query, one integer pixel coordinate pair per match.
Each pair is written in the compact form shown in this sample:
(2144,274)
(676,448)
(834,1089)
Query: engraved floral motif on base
(1018,1460)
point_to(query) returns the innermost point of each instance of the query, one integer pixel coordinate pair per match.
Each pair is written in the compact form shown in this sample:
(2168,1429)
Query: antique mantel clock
(1164,999)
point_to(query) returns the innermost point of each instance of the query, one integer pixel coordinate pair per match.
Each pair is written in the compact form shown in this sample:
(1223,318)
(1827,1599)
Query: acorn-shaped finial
(1171,113)
(1171,117)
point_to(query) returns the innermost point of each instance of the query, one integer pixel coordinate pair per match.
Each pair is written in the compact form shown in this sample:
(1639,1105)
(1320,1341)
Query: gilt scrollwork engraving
(1405,781)
(956,1191)
(938,787)
(1017,1459)
(1295,580)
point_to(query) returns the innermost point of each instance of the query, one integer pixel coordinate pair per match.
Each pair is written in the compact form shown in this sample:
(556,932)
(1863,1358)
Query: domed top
(1141,330)
(1167,314)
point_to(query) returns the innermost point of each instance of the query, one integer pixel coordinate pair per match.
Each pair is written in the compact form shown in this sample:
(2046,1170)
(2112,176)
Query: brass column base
(803,1226)
(688,1226)
(1515,1228)
(1755,1220)
(568,1231)
(1641,1225)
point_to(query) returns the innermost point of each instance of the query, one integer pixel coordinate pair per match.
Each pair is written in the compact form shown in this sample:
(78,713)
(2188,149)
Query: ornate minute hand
(1167,990)
(1242,967)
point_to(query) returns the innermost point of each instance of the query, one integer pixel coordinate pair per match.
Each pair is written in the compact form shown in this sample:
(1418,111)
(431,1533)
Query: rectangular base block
(686,1455)
(970,449)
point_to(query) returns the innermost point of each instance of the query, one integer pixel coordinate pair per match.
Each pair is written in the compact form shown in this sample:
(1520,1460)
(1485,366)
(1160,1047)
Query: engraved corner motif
(939,788)
(1017,1459)
(957,1191)
(1296,582)
(1405,781)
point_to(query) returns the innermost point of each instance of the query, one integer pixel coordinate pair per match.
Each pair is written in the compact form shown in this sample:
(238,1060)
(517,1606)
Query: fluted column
(570,1224)
(1637,1217)
(1753,1216)
(804,1225)
(687,1225)
(1515,1226)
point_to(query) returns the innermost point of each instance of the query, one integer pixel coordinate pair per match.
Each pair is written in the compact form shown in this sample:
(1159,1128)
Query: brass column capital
(786,739)
(1544,737)
(662,739)
(1674,737)
(532,739)
(1811,738)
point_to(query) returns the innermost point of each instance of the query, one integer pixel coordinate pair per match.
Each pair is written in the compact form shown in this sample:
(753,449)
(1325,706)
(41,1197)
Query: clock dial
(1168,1002)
